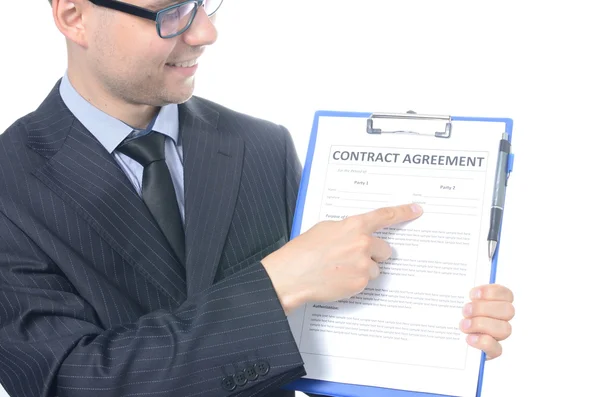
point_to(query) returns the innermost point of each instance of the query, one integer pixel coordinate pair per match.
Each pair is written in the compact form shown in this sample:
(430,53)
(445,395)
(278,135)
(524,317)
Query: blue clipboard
(334,389)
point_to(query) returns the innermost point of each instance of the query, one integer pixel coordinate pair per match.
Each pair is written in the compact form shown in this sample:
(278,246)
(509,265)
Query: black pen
(499,194)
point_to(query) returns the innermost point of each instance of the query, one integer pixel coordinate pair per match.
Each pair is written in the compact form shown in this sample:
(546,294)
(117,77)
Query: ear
(69,19)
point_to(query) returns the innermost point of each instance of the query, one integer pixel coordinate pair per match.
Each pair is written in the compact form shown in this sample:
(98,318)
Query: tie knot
(146,149)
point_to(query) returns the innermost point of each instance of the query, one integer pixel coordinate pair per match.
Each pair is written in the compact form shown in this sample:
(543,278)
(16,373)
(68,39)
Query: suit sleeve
(232,339)
(293,176)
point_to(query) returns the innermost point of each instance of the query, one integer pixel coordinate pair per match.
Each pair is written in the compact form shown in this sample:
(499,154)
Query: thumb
(387,216)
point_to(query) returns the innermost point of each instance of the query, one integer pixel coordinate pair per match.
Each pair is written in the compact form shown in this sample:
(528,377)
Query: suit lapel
(212,170)
(86,176)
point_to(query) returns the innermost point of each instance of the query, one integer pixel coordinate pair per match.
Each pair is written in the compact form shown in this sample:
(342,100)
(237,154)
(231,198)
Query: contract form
(402,332)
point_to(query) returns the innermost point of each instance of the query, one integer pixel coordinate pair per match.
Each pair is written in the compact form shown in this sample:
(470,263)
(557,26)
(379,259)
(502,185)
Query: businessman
(144,231)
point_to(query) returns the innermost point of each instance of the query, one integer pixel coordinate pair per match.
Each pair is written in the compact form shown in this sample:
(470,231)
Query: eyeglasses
(171,21)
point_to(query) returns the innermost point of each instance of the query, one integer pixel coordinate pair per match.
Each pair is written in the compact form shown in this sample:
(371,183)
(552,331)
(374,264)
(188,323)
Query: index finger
(492,292)
(387,216)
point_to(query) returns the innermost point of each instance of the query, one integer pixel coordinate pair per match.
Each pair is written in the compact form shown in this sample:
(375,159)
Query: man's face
(130,61)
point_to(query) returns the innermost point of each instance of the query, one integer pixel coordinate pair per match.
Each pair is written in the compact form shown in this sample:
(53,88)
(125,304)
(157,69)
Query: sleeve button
(228,383)
(251,373)
(240,378)
(262,367)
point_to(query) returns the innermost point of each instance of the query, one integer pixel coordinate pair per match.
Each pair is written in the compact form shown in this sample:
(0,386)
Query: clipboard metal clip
(412,116)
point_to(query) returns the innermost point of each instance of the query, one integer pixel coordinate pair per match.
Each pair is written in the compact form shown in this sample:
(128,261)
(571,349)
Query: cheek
(146,55)
(138,44)
(131,51)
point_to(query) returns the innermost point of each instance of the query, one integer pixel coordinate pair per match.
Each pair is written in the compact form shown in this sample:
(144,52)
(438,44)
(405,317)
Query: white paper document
(402,332)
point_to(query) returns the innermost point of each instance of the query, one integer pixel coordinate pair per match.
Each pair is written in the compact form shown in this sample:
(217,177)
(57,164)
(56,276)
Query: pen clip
(509,166)
(411,115)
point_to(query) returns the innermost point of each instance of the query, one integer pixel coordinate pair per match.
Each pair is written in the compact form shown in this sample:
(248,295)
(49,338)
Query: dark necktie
(157,187)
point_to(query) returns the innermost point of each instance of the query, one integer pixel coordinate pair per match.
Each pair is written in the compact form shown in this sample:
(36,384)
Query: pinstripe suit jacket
(92,299)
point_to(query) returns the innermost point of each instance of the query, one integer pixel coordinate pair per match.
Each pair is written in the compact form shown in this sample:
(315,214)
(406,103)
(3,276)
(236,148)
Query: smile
(186,64)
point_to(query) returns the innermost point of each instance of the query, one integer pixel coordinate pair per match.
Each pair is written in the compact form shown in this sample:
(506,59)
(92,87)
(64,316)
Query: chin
(178,97)
(185,92)
(183,98)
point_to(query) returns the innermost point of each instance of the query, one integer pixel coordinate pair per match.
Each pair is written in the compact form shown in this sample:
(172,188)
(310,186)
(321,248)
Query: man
(143,231)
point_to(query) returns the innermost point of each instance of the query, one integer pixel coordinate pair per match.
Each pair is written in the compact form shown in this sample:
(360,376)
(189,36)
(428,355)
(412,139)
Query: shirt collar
(109,131)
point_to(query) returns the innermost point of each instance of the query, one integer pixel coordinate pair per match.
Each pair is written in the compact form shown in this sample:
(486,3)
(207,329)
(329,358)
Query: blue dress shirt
(110,132)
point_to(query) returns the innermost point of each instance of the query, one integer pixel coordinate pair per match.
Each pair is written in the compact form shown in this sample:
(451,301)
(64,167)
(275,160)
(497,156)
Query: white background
(534,61)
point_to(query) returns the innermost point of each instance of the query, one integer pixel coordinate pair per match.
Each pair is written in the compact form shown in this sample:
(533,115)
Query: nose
(202,31)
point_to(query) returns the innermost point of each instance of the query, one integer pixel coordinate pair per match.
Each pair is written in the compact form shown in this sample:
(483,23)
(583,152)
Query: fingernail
(466,323)
(472,338)
(476,294)
(416,208)
(468,309)
(374,272)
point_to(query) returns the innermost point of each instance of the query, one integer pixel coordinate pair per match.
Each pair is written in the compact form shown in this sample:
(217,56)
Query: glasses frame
(153,15)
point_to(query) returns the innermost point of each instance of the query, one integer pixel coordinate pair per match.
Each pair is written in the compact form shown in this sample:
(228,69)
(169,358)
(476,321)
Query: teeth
(187,64)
